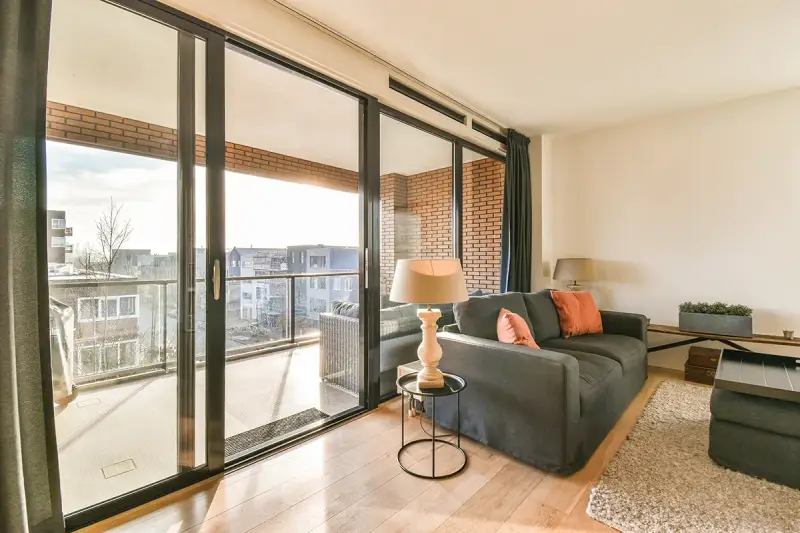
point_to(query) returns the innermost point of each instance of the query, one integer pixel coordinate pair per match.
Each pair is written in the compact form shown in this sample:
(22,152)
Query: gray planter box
(734,326)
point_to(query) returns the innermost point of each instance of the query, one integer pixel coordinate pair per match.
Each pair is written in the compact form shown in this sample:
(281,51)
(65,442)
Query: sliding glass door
(126,244)
(292,205)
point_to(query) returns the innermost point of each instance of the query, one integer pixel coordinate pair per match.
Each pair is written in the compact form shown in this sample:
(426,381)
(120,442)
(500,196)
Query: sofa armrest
(522,401)
(628,324)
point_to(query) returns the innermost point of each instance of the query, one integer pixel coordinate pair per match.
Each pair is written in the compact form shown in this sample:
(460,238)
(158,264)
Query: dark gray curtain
(515,246)
(29,496)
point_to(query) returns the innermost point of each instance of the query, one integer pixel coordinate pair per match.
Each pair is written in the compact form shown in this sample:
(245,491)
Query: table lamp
(429,281)
(574,269)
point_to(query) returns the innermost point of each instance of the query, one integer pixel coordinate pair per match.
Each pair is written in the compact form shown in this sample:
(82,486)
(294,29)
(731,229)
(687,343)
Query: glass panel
(200,256)
(416,217)
(112,204)
(292,208)
(482,221)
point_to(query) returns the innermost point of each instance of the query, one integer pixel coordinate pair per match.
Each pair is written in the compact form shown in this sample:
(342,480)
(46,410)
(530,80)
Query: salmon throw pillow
(577,313)
(512,329)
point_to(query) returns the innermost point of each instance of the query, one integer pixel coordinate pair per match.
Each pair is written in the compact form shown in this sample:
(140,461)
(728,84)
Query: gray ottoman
(756,435)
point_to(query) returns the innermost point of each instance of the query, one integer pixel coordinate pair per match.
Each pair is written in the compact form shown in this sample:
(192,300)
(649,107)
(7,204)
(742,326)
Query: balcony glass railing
(126,328)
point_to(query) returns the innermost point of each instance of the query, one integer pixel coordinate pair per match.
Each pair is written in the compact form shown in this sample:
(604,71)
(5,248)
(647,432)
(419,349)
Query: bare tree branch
(112,233)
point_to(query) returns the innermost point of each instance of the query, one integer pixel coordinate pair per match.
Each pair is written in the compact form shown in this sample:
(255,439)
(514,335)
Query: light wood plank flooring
(347,480)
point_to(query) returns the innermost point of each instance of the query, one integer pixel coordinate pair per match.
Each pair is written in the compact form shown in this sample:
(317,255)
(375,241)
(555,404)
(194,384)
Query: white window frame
(337,283)
(116,344)
(101,307)
(62,242)
(58,223)
(348,284)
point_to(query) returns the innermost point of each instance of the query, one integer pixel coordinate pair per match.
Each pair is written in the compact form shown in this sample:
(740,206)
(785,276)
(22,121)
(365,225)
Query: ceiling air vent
(480,128)
(417,96)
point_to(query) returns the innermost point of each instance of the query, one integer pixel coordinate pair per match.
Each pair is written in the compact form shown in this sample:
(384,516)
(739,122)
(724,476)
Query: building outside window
(318,305)
(348,284)
(58,242)
(107,307)
(337,284)
(247,296)
(318,261)
(323,283)
(58,223)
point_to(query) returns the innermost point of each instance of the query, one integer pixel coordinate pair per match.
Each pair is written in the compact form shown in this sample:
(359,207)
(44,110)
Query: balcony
(120,431)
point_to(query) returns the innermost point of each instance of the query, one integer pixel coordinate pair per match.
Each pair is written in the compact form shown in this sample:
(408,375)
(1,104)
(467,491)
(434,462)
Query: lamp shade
(428,281)
(575,269)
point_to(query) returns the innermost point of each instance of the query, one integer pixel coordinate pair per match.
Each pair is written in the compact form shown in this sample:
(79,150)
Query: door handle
(216,279)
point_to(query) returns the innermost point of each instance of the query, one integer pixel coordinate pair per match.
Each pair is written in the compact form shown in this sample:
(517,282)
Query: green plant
(717,308)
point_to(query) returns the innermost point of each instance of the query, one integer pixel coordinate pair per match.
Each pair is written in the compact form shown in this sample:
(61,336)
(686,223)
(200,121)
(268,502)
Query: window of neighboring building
(312,283)
(293,258)
(58,223)
(323,283)
(127,306)
(247,296)
(348,284)
(259,292)
(302,257)
(318,261)
(337,284)
(108,307)
(58,242)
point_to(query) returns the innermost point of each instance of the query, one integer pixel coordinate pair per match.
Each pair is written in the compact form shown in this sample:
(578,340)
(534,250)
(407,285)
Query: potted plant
(717,319)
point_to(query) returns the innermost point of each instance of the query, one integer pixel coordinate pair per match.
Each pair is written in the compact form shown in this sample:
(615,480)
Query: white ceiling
(113,61)
(556,65)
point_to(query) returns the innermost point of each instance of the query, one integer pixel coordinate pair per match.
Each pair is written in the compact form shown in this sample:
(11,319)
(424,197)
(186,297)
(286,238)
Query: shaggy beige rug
(662,480)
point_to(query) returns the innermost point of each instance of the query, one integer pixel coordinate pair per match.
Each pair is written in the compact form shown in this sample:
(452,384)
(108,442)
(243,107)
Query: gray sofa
(551,407)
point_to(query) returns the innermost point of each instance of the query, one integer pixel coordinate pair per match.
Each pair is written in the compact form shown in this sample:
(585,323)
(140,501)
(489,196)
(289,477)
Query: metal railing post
(164,324)
(291,306)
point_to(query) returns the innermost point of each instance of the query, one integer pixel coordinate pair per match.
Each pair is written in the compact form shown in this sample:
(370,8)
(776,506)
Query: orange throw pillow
(512,329)
(577,313)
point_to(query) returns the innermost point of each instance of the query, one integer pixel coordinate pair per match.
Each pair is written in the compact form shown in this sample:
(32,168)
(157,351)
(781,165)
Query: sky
(259,212)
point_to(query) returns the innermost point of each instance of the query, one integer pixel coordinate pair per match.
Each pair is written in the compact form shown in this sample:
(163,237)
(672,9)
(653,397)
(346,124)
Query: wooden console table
(724,339)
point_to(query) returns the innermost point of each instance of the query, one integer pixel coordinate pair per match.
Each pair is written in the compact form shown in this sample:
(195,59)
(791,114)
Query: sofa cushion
(348,309)
(512,329)
(627,351)
(399,326)
(543,315)
(577,313)
(398,311)
(478,315)
(597,374)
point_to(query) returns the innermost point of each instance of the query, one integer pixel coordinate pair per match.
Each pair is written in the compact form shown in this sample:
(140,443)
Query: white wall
(701,205)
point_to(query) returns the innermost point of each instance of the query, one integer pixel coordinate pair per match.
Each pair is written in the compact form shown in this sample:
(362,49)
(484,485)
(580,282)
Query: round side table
(452,385)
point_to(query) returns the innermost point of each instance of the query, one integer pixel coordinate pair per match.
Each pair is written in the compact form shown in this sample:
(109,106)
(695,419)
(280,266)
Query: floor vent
(118,468)
(267,432)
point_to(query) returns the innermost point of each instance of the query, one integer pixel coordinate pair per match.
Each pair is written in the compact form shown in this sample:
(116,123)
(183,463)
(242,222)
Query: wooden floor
(347,480)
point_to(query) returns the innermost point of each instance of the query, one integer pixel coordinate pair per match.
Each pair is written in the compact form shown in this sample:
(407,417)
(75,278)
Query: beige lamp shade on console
(575,269)
(429,281)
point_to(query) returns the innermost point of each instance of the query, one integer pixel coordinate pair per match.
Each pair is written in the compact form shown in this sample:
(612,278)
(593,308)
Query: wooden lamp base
(429,351)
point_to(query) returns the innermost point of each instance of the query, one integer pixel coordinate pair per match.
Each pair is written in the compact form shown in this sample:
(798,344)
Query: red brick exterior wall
(416,210)
(482,219)
(93,128)
(416,220)
(430,205)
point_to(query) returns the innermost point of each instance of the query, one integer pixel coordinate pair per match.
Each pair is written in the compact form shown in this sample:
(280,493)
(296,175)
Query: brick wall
(430,206)
(94,128)
(394,204)
(482,219)
(416,210)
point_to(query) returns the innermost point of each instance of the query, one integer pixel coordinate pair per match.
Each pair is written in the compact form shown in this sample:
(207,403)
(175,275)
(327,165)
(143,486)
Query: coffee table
(759,374)
(755,417)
